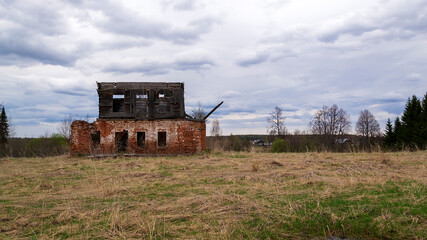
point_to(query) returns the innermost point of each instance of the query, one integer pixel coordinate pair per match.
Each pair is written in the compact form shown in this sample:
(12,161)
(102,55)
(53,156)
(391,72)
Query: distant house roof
(342,140)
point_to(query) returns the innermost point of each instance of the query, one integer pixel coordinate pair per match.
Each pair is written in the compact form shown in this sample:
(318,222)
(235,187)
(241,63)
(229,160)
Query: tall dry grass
(222,196)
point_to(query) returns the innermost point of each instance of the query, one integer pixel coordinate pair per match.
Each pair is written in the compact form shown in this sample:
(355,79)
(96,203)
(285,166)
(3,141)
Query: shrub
(234,143)
(54,145)
(279,145)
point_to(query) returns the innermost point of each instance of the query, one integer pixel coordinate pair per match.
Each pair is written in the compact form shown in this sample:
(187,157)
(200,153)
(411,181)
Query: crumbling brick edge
(119,137)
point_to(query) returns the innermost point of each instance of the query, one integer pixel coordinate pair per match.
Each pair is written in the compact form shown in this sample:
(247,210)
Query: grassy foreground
(219,196)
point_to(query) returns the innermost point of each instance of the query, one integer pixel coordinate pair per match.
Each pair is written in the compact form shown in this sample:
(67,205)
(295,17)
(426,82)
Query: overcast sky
(253,55)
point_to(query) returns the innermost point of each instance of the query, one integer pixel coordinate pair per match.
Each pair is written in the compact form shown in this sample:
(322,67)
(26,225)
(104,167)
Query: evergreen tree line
(410,130)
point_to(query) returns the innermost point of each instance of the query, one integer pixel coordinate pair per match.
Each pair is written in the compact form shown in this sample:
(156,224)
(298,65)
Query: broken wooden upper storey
(141,100)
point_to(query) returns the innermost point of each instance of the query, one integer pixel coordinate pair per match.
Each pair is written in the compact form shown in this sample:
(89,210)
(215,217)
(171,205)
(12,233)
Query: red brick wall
(182,136)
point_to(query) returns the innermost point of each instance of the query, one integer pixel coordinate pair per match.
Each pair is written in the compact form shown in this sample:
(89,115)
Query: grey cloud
(73,92)
(193,64)
(257,58)
(386,100)
(184,5)
(46,18)
(21,44)
(125,22)
(244,104)
(160,68)
(180,5)
(402,20)
(352,72)
(35,33)
(9,59)
(123,43)
(195,59)
(352,28)
(143,68)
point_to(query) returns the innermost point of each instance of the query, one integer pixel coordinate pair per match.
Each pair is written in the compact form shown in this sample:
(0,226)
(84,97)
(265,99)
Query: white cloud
(300,55)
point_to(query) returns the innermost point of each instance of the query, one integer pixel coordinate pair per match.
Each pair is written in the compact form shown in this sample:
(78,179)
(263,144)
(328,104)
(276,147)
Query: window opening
(161,141)
(118,103)
(143,96)
(121,141)
(140,139)
(96,139)
(161,95)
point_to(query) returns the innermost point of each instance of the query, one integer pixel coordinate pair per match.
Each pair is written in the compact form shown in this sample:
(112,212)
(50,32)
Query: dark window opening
(121,141)
(118,105)
(96,139)
(140,139)
(161,141)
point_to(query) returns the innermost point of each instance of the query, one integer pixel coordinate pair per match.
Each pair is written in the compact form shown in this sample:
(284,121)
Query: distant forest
(329,130)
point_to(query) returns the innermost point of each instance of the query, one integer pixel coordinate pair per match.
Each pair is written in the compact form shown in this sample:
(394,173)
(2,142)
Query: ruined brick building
(139,118)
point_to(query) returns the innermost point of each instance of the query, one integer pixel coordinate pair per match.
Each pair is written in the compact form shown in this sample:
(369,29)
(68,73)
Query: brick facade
(160,136)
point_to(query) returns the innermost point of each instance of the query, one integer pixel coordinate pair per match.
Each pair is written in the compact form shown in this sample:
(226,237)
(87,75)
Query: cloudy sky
(253,55)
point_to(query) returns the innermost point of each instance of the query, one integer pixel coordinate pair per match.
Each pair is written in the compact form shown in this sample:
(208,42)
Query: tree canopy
(330,121)
(410,130)
(4,127)
(276,122)
(367,125)
(4,132)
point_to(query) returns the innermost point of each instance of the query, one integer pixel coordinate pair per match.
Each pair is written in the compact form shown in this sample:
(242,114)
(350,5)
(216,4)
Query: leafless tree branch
(276,122)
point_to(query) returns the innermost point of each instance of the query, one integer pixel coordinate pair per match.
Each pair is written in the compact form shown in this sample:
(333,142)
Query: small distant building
(342,140)
(258,142)
(139,118)
(261,143)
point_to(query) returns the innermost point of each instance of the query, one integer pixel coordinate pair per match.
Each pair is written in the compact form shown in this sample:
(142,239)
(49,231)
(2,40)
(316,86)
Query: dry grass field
(216,196)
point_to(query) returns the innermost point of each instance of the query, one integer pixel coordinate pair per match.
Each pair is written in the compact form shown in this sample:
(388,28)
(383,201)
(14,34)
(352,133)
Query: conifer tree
(423,122)
(4,129)
(410,131)
(389,135)
(411,124)
(398,136)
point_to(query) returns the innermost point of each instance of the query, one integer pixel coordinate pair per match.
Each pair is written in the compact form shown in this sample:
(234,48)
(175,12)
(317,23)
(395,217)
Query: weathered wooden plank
(141,100)
(151,96)
(105,102)
(138,85)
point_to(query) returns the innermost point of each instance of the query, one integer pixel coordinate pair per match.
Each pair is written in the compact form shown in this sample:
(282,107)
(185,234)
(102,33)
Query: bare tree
(276,122)
(367,125)
(343,122)
(216,129)
(330,121)
(64,127)
(12,130)
(198,112)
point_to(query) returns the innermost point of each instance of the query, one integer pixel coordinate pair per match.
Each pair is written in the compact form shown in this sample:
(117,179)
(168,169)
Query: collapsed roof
(141,100)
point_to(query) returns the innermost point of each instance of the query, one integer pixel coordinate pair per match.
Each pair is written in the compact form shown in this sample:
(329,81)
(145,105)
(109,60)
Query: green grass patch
(377,214)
